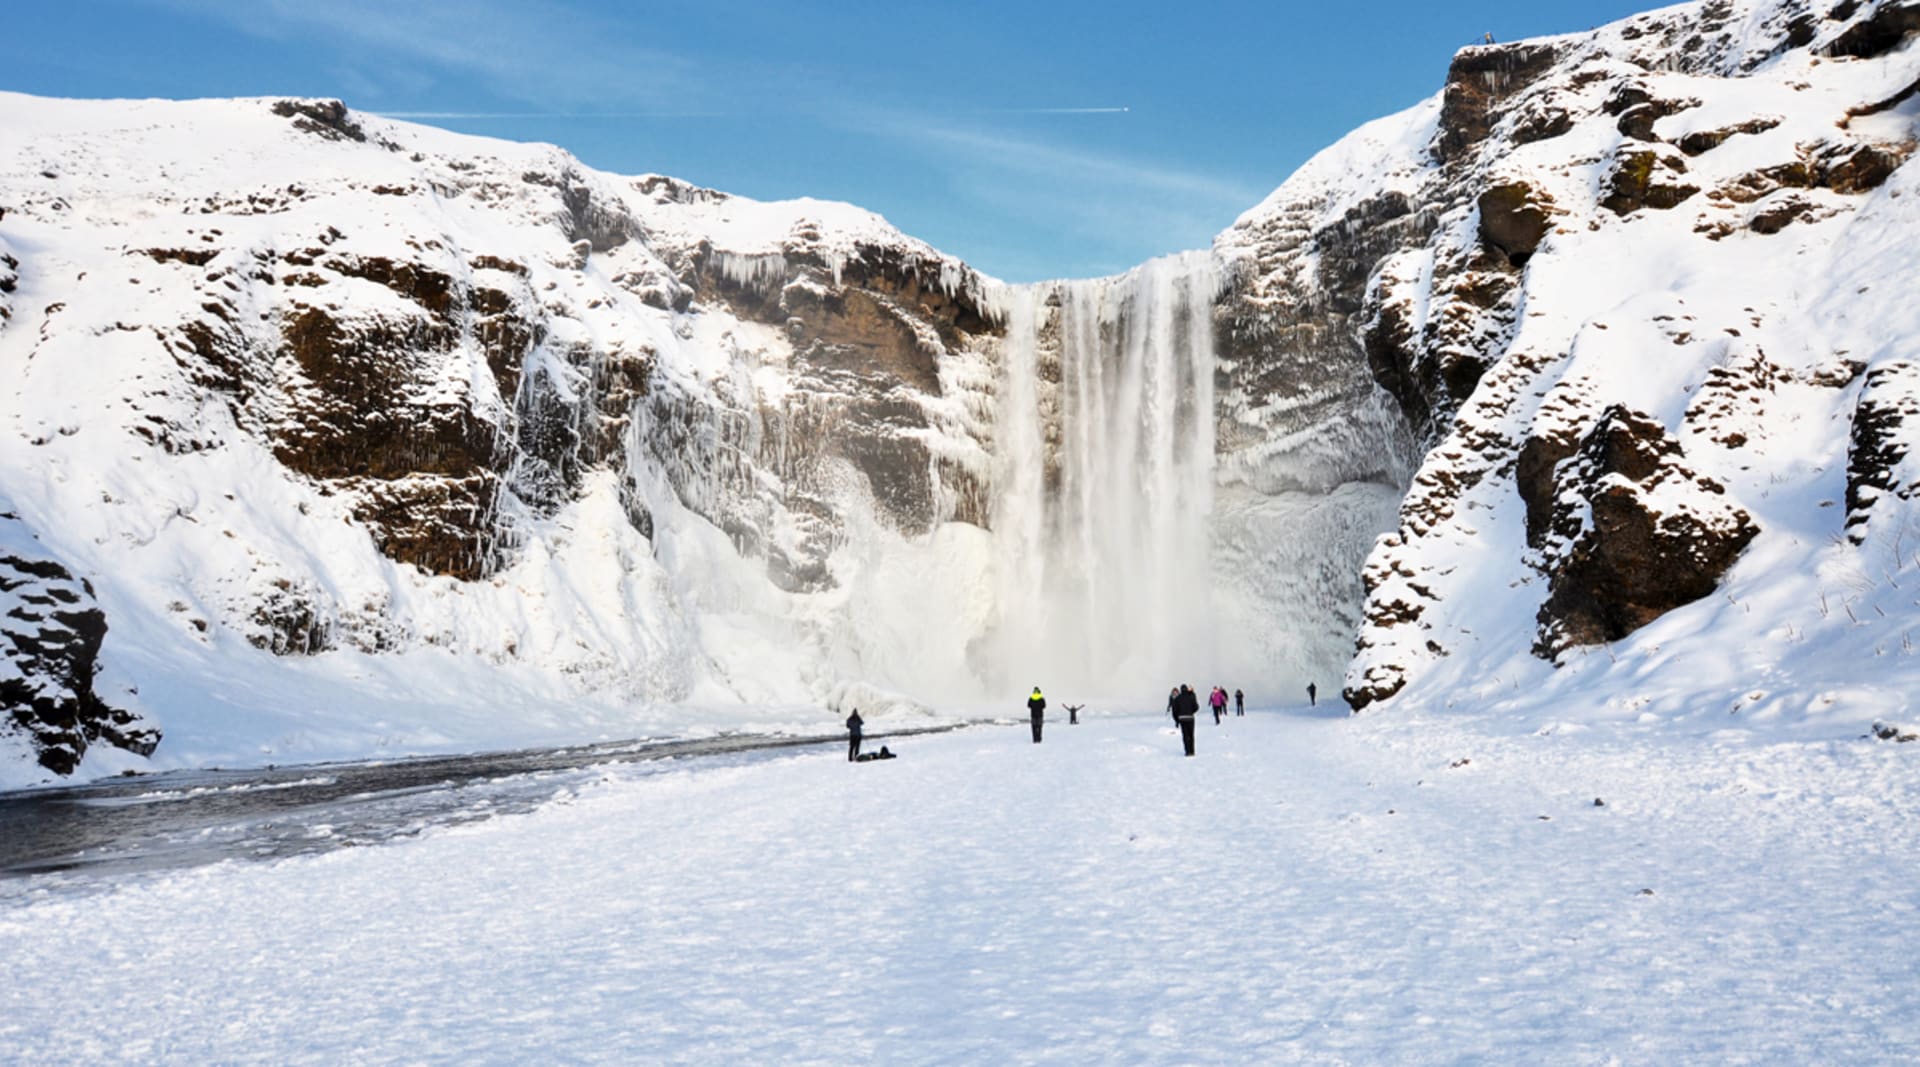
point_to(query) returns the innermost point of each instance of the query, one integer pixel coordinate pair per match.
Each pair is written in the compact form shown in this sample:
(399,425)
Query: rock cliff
(1638,233)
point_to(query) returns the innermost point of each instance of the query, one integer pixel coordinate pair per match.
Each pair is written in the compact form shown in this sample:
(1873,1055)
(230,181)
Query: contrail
(1063,110)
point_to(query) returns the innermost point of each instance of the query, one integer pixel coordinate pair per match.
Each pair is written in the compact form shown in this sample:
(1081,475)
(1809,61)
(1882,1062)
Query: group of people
(1037,712)
(1182,703)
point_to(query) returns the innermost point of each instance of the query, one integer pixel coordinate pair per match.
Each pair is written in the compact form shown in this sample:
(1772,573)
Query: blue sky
(990,129)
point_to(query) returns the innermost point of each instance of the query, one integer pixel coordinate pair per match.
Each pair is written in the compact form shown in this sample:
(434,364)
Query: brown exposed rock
(1634,533)
(867,352)
(197,257)
(1641,178)
(1882,435)
(1637,109)
(1534,476)
(1539,122)
(1700,141)
(860,332)
(1514,218)
(439,524)
(9,280)
(1885,28)
(1480,79)
(1753,185)
(325,118)
(1779,211)
(354,422)
(1860,168)
(603,223)
(1883,105)
(431,289)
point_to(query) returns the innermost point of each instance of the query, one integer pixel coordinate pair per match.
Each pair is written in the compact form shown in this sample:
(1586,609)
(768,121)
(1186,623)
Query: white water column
(1104,484)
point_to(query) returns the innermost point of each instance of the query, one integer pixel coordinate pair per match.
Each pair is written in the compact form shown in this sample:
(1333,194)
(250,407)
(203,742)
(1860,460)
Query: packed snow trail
(1307,889)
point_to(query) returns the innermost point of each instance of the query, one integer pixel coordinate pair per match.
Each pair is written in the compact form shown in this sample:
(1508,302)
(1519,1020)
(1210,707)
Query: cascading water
(1104,482)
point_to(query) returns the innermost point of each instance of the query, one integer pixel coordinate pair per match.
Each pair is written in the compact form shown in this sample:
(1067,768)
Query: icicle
(762,272)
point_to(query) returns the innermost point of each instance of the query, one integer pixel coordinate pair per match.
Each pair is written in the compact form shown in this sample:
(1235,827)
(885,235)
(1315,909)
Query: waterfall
(1104,483)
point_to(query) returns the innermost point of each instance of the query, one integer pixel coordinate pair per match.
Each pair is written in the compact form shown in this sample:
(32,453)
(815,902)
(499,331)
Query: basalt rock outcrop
(1624,531)
(51,629)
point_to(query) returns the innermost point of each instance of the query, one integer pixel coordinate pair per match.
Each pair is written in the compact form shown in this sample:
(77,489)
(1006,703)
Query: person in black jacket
(1239,703)
(1037,708)
(1185,706)
(854,722)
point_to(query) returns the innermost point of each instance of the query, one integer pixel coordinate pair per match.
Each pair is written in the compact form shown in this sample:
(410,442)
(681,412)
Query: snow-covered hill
(373,438)
(1647,293)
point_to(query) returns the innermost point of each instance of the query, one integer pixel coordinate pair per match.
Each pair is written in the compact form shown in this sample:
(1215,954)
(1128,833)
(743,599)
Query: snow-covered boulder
(1626,532)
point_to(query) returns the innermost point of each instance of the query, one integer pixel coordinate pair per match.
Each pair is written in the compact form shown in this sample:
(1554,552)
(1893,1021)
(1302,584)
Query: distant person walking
(1037,709)
(1239,703)
(854,723)
(1218,701)
(1185,706)
(1313,695)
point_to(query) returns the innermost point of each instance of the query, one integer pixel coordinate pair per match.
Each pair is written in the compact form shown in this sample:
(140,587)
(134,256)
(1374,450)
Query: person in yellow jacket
(1037,709)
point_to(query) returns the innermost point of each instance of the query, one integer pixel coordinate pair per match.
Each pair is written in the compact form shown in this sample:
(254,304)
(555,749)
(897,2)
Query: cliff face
(1668,239)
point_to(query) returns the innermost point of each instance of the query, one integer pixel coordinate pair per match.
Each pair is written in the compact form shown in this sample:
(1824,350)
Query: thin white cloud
(539,51)
(1060,111)
(1065,164)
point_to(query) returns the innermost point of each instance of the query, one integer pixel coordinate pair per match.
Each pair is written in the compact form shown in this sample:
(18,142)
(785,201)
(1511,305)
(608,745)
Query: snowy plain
(1310,888)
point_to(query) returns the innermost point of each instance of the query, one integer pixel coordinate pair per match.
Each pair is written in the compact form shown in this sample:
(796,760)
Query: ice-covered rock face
(1688,215)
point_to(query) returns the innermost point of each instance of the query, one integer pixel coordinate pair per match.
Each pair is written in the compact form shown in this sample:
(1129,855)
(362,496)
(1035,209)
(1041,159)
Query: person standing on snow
(1073,714)
(854,723)
(1239,703)
(1037,708)
(1313,694)
(1185,706)
(1217,700)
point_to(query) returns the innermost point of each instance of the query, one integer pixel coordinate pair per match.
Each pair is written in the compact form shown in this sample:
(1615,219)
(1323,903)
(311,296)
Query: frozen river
(96,832)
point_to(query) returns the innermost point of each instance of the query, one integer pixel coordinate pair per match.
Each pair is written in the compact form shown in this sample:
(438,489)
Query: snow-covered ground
(1310,888)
